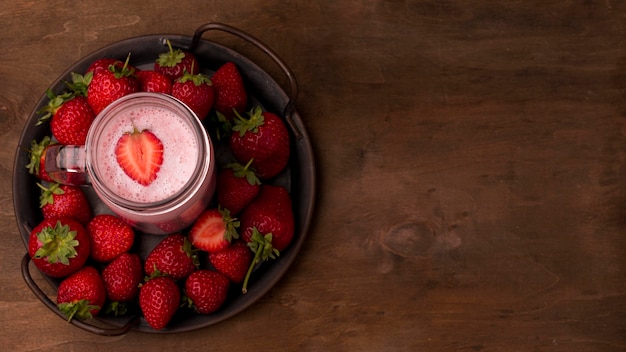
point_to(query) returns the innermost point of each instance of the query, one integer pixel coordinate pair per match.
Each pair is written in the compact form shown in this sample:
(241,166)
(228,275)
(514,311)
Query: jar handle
(289,109)
(66,164)
(53,307)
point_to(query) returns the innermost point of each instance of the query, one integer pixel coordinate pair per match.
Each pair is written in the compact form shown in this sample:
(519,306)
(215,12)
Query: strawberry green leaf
(231,225)
(198,79)
(170,58)
(116,308)
(58,244)
(79,83)
(124,71)
(80,310)
(190,252)
(35,152)
(47,194)
(53,105)
(250,124)
(245,171)
(261,246)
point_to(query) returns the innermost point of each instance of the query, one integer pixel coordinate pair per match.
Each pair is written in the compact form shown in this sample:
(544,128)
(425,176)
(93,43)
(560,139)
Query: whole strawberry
(233,261)
(122,277)
(110,236)
(70,116)
(59,200)
(37,158)
(175,62)
(71,122)
(173,256)
(196,91)
(237,186)
(213,230)
(103,64)
(82,294)
(159,299)
(58,247)
(230,92)
(271,212)
(110,85)
(263,138)
(206,290)
(152,81)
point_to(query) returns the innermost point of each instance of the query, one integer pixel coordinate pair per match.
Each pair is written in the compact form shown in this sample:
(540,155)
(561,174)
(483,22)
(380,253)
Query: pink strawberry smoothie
(180,153)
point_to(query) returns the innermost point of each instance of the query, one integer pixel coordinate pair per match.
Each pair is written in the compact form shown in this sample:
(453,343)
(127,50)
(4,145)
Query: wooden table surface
(471,166)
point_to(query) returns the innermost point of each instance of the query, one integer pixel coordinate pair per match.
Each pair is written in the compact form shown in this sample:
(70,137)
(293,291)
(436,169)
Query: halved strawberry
(213,230)
(140,154)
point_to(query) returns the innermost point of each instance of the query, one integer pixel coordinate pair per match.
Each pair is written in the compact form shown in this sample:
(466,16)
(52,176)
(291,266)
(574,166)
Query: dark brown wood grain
(471,157)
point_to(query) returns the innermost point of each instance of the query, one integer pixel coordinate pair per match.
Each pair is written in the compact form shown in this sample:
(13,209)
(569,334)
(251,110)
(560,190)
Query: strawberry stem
(263,250)
(250,124)
(170,58)
(124,71)
(245,171)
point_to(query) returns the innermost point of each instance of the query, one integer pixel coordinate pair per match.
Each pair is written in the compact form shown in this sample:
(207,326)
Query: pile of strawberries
(94,255)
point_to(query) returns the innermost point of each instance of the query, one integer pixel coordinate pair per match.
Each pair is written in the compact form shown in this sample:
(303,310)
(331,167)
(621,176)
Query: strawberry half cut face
(140,155)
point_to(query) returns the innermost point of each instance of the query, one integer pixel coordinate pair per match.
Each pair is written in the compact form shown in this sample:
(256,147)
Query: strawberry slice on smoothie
(140,154)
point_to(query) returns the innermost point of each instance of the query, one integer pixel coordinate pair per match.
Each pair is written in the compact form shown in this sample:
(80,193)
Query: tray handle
(78,323)
(289,109)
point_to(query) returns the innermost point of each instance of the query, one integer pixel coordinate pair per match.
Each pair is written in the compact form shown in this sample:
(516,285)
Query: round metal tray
(263,90)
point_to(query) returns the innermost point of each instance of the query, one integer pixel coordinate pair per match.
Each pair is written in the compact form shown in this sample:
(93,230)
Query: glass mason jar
(184,183)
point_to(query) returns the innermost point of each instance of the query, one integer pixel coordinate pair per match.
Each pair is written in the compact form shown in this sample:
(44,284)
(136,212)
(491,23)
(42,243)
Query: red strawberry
(65,201)
(271,212)
(110,85)
(233,261)
(213,230)
(82,294)
(103,64)
(230,92)
(173,256)
(175,62)
(159,298)
(206,290)
(110,236)
(54,103)
(196,91)
(140,154)
(59,247)
(264,138)
(70,117)
(237,186)
(152,81)
(37,158)
(121,280)
(70,123)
